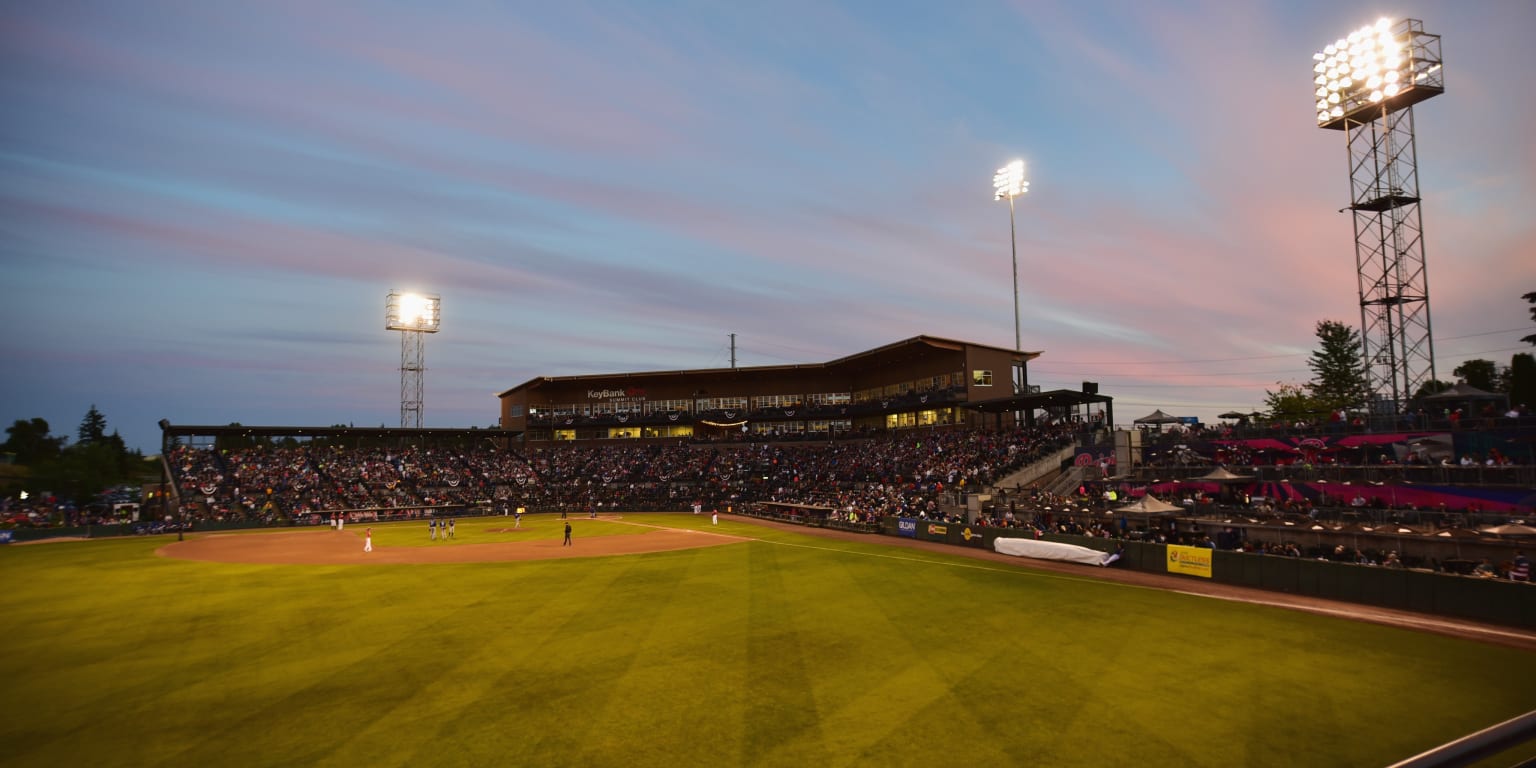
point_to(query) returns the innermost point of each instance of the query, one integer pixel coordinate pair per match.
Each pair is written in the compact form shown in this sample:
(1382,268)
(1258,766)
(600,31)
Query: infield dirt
(327,547)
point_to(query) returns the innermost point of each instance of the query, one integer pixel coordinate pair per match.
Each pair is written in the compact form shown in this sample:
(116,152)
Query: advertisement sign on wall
(1193,561)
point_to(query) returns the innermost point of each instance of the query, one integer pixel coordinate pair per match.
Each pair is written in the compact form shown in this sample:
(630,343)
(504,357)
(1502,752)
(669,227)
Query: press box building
(917,382)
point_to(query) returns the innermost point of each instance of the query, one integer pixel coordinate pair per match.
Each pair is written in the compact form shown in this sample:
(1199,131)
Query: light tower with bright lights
(1009,182)
(413,314)
(1366,85)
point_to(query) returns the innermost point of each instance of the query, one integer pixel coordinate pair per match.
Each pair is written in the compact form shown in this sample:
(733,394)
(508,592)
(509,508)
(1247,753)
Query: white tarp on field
(1051,550)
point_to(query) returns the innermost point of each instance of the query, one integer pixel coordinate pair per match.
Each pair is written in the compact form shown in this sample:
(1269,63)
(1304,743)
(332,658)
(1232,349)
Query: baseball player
(567,542)
(432,526)
(368,540)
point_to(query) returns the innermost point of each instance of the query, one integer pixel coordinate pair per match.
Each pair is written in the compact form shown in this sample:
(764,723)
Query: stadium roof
(889,354)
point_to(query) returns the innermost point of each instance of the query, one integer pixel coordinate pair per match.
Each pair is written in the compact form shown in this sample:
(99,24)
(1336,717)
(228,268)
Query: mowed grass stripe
(528,662)
(948,628)
(781,711)
(548,706)
(677,683)
(431,660)
(858,613)
(99,635)
(384,641)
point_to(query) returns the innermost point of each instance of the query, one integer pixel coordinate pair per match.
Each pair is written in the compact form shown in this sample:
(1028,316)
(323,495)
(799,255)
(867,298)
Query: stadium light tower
(1009,182)
(1365,85)
(413,314)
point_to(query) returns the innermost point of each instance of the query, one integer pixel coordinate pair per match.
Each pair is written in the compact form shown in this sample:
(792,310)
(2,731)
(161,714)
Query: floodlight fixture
(1008,183)
(413,314)
(405,311)
(1366,84)
(1388,65)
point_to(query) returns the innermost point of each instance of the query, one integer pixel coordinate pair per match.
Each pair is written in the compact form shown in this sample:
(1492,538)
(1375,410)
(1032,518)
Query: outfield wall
(19,535)
(1494,601)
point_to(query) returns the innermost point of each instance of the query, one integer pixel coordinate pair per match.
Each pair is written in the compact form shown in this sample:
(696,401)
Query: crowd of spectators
(1486,414)
(896,474)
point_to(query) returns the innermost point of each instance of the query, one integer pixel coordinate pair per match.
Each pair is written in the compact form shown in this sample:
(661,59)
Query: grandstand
(1372,492)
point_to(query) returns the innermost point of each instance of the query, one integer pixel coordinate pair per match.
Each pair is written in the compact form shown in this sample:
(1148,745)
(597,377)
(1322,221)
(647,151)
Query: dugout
(813,515)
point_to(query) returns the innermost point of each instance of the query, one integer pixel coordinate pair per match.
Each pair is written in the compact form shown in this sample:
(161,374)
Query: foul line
(974,566)
(684,530)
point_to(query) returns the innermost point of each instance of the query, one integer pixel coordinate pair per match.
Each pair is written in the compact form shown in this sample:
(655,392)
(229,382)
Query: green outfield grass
(786,650)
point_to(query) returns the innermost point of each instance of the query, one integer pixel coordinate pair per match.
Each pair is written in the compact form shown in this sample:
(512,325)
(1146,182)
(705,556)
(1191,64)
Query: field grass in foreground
(787,650)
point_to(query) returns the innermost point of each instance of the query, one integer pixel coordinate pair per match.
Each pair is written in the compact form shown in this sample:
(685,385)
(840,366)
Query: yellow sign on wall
(1194,561)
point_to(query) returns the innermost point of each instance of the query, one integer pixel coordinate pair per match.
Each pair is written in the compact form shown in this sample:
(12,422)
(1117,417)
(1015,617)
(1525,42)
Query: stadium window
(981,378)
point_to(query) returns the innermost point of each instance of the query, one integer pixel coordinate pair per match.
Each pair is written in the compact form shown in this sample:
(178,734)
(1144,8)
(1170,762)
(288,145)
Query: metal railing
(1476,746)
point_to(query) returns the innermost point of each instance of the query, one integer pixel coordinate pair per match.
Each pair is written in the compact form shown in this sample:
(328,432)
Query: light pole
(1009,183)
(413,314)
(1366,85)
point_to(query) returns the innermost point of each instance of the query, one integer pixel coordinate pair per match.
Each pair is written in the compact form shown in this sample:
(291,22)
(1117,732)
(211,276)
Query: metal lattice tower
(1395,333)
(1367,85)
(411,378)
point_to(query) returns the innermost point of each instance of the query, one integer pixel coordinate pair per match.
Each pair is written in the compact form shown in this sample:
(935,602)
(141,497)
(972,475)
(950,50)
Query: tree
(30,441)
(1338,370)
(1531,298)
(83,471)
(80,471)
(1483,374)
(1522,379)
(1291,402)
(93,427)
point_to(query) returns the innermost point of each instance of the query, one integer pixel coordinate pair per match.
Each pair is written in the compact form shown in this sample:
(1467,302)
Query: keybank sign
(604,394)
